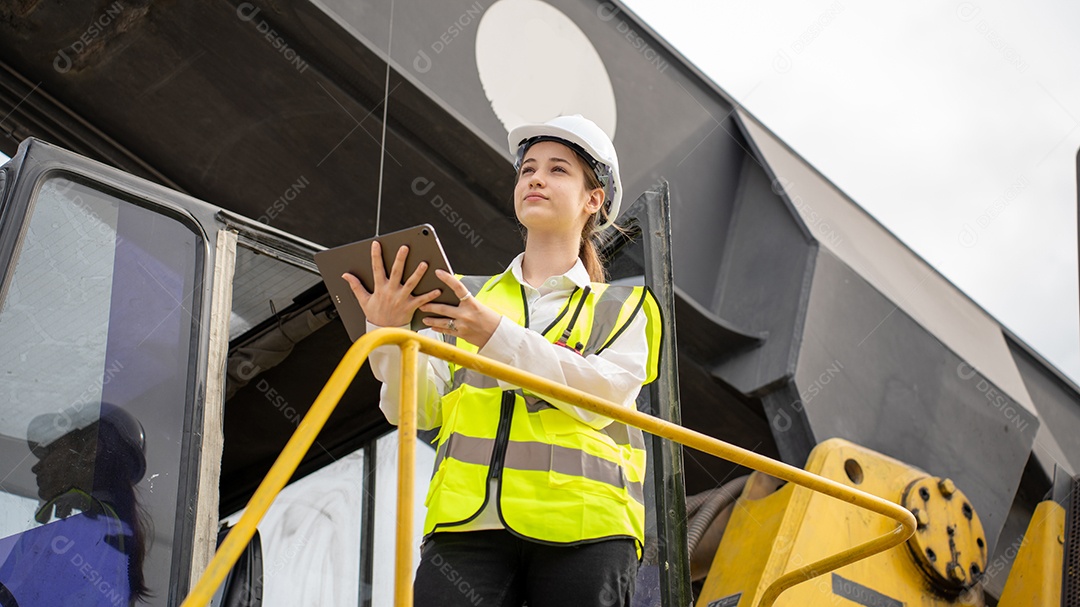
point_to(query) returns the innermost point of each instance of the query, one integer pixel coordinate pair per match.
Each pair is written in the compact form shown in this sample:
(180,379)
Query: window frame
(36,162)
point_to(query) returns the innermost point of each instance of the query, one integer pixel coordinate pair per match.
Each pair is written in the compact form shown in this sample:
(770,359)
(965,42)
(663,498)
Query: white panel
(535,64)
(311,538)
(386,512)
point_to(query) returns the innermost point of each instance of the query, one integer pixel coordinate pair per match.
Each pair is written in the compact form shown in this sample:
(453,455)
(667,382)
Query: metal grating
(1070,579)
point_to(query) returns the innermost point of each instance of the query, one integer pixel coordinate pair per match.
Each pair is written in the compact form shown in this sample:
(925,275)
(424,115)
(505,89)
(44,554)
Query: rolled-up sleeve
(616,374)
(433,382)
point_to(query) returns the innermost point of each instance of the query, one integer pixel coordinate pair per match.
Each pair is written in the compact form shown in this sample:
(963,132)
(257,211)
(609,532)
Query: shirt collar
(576,276)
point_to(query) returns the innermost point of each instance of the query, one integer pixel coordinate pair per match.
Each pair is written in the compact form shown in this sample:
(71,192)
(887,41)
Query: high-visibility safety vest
(560,481)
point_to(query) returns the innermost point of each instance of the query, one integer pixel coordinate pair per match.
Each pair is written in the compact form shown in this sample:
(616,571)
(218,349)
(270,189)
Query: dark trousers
(498,569)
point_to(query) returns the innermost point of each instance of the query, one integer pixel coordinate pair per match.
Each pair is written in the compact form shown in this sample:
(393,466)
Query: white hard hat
(588,140)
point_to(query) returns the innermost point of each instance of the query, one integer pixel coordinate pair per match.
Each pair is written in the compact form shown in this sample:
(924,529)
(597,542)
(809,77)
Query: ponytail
(590,254)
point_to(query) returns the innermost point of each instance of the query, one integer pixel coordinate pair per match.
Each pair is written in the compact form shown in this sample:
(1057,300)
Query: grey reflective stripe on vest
(540,457)
(466,449)
(605,315)
(474,283)
(624,435)
(533,404)
(476,379)
(618,432)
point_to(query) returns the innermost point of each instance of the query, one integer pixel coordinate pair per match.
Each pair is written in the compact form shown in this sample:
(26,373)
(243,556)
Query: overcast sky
(955,124)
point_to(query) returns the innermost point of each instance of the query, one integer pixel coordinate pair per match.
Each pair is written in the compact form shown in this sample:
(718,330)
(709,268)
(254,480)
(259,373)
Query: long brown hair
(588,252)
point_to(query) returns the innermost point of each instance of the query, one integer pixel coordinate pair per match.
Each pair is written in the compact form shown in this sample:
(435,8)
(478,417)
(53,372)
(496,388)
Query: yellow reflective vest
(560,480)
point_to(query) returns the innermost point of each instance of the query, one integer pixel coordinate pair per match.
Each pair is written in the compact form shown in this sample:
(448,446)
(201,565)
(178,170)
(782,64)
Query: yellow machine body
(773,532)
(1035,578)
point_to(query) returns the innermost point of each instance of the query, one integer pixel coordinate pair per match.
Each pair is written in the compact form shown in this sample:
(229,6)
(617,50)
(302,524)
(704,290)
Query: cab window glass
(97,321)
(261,286)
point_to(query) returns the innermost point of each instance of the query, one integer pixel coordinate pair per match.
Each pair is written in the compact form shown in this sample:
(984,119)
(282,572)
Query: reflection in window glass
(311,538)
(96,323)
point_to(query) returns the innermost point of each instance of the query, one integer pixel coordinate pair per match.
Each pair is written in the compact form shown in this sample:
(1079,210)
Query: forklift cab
(108,311)
(117,309)
(129,315)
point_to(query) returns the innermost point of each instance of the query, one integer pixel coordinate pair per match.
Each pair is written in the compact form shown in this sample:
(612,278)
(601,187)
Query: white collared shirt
(616,374)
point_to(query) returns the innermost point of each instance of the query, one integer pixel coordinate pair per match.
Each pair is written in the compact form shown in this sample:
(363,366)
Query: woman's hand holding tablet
(357,278)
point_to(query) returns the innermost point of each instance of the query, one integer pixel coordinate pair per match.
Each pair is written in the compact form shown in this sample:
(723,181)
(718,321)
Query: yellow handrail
(411,344)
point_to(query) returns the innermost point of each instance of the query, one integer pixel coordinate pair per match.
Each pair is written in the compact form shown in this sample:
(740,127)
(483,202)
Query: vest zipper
(502,436)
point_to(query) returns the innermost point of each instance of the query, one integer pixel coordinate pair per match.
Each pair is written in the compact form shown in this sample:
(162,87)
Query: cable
(386,103)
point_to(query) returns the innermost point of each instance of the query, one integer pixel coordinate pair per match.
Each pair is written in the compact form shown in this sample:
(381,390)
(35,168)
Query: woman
(532,500)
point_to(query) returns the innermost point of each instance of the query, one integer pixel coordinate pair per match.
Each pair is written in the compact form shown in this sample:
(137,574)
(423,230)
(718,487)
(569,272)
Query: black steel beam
(670,488)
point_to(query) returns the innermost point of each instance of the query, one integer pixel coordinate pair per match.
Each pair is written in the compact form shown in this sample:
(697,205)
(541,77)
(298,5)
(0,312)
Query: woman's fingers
(473,321)
(391,301)
(455,285)
(393,279)
(398,269)
(414,278)
(421,300)
(439,324)
(377,268)
(441,310)
(358,289)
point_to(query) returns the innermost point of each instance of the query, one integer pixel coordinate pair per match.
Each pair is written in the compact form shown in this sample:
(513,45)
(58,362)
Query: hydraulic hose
(709,504)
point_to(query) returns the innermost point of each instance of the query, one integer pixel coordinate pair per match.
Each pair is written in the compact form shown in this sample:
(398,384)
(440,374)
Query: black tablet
(355,259)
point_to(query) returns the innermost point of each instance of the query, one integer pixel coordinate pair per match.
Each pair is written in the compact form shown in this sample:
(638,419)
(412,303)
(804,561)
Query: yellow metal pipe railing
(411,344)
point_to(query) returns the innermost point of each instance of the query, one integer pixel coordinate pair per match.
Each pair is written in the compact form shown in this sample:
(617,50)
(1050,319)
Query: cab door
(114,311)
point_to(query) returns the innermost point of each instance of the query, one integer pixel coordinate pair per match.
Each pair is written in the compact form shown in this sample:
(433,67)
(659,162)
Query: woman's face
(551,194)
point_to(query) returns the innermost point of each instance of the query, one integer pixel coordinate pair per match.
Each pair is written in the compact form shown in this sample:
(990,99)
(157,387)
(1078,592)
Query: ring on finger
(451,326)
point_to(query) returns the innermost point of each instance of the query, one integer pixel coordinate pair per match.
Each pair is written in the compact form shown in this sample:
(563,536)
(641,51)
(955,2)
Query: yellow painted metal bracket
(411,344)
(1035,577)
